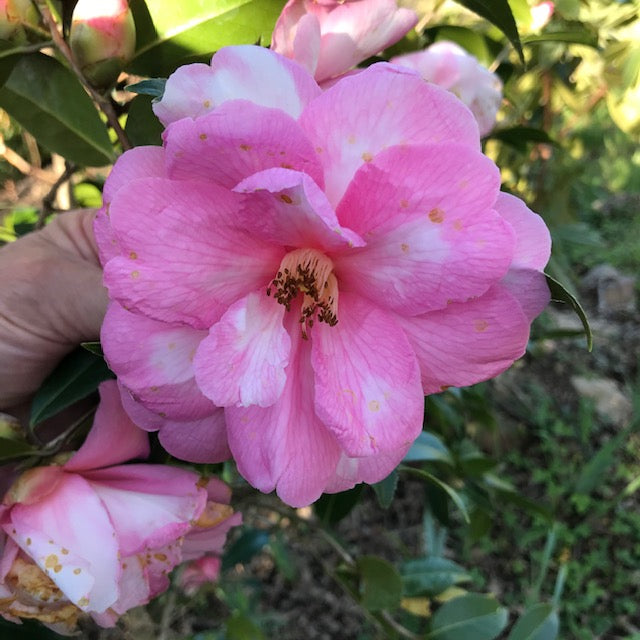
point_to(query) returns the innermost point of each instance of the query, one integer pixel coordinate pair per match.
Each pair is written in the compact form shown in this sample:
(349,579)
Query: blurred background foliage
(516,514)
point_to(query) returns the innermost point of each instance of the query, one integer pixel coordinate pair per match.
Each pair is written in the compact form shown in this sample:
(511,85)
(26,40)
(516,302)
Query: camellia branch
(103,103)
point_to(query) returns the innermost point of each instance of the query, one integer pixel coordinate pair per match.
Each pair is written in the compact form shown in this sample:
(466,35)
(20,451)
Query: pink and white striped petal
(367,380)
(288,208)
(194,264)
(363,114)
(468,342)
(243,359)
(235,141)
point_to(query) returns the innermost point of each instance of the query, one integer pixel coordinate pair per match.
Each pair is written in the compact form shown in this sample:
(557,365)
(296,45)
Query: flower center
(311,273)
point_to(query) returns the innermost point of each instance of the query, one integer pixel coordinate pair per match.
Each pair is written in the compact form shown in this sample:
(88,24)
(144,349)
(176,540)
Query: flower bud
(13,15)
(102,38)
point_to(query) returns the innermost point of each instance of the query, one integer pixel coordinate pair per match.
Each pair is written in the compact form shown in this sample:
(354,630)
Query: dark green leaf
(48,101)
(7,63)
(93,347)
(431,576)
(239,627)
(593,472)
(469,617)
(560,294)
(386,489)
(153,87)
(142,126)
(519,137)
(10,448)
(245,547)
(428,447)
(173,33)
(28,630)
(77,376)
(498,13)
(332,507)
(505,492)
(539,622)
(380,584)
(282,556)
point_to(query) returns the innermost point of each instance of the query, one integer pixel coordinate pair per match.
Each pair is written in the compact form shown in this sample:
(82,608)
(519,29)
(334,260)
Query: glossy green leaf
(245,547)
(153,87)
(170,34)
(560,294)
(77,376)
(48,101)
(142,127)
(428,447)
(380,584)
(539,622)
(431,576)
(12,448)
(332,507)
(386,489)
(498,13)
(469,617)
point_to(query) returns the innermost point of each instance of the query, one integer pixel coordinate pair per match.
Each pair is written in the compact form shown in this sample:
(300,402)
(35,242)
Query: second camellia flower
(294,269)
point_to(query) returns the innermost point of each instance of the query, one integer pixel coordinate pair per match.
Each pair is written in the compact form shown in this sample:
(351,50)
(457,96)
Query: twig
(29,48)
(17,161)
(47,201)
(103,102)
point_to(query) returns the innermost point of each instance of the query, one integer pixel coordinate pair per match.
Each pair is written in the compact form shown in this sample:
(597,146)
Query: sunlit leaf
(48,101)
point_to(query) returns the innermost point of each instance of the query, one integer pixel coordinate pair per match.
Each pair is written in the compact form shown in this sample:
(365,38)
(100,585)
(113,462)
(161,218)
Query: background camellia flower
(199,572)
(329,37)
(310,266)
(454,69)
(88,536)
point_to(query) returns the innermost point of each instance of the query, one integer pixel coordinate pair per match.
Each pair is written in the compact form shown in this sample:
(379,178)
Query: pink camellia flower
(88,536)
(454,69)
(329,37)
(202,571)
(293,269)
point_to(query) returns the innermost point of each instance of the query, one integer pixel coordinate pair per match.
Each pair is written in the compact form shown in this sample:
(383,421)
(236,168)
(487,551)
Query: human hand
(51,298)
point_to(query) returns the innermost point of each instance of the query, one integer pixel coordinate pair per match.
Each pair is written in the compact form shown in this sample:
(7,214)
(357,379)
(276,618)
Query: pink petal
(200,541)
(432,235)
(113,437)
(237,73)
(235,141)
(182,259)
(468,342)
(148,505)
(288,208)
(72,519)
(533,241)
(154,360)
(396,108)
(367,387)
(242,360)
(134,588)
(529,288)
(285,446)
(297,35)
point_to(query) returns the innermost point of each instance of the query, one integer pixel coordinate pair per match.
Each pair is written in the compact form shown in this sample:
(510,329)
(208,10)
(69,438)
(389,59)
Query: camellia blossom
(199,572)
(294,268)
(88,536)
(454,69)
(329,37)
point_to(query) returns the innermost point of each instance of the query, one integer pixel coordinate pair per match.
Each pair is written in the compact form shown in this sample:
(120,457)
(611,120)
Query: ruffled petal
(183,260)
(367,389)
(235,141)
(154,360)
(468,342)
(396,107)
(243,359)
(113,438)
(288,208)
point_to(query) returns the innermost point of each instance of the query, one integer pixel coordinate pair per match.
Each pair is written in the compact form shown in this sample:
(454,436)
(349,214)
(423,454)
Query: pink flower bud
(103,38)
(199,572)
(13,15)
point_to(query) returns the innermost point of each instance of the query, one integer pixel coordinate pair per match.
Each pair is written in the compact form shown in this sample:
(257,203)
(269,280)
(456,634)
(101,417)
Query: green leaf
(539,622)
(7,63)
(245,547)
(239,627)
(153,87)
(142,127)
(332,507)
(469,617)
(11,448)
(173,33)
(77,376)
(518,137)
(386,489)
(498,13)
(28,630)
(431,576)
(48,101)
(593,472)
(428,447)
(380,584)
(560,294)
(93,347)
(451,492)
